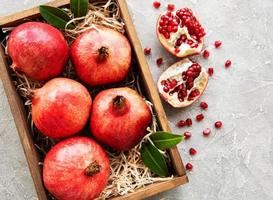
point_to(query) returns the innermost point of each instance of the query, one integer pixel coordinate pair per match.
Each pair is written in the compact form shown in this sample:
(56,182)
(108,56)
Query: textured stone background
(236,162)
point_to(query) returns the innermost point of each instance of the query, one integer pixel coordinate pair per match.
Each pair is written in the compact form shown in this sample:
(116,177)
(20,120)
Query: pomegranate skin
(64,169)
(38,49)
(120,127)
(61,107)
(111,65)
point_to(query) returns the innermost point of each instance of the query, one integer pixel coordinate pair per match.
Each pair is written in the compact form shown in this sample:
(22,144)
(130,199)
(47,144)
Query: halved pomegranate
(182,83)
(180,32)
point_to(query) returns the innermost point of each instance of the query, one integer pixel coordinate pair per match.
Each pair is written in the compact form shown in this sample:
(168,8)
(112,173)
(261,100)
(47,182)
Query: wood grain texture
(19,114)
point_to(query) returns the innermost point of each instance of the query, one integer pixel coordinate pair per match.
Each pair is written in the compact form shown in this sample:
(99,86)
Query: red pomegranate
(180,32)
(61,107)
(76,169)
(182,83)
(38,49)
(119,118)
(101,56)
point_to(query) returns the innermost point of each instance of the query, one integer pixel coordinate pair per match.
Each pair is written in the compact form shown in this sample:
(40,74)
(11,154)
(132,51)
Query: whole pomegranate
(38,49)
(119,118)
(76,169)
(61,107)
(182,83)
(101,56)
(180,32)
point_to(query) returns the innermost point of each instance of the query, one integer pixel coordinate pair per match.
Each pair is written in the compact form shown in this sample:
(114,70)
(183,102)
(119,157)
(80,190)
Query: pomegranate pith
(180,32)
(76,168)
(119,118)
(101,51)
(182,83)
(61,107)
(37,49)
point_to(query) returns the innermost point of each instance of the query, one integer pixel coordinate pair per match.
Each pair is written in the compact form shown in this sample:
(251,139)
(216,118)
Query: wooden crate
(19,112)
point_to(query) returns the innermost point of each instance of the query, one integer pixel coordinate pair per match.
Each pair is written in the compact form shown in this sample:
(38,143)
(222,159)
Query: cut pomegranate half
(180,32)
(182,83)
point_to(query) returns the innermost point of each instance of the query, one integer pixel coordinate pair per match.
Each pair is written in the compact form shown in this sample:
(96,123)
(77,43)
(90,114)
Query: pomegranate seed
(218,124)
(206,54)
(210,71)
(181,124)
(217,43)
(165,89)
(206,132)
(189,166)
(156,4)
(227,63)
(203,105)
(199,117)
(171,7)
(192,151)
(147,51)
(188,122)
(187,135)
(177,50)
(159,61)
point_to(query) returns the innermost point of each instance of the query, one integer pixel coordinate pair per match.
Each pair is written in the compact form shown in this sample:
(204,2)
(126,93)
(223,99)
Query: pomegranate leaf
(164,140)
(79,7)
(153,159)
(56,17)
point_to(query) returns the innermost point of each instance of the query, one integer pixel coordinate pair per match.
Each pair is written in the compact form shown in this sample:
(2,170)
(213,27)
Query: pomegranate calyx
(103,53)
(92,169)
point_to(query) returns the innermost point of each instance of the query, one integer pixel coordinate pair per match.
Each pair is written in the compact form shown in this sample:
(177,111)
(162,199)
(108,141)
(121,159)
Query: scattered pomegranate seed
(192,151)
(187,135)
(217,43)
(199,117)
(227,63)
(203,105)
(218,124)
(188,122)
(156,4)
(189,166)
(206,54)
(181,124)
(206,132)
(210,71)
(171,7)
(159,61)
(147,51)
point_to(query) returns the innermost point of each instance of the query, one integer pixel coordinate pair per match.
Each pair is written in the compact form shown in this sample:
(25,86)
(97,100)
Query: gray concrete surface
(234,163)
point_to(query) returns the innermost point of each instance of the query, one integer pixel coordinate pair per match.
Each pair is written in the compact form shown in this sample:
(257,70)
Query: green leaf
(153,159)
(165,140)
(79,7)
(55,17)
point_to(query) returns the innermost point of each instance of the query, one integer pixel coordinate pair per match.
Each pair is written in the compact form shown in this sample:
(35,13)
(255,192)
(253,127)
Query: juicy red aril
(218,124)
(147,51)
(181,124)
(189,166)
(171,7)
(217,43)
(203,105)
(177,50)
(156,4)
(205,53)
(227,63)
(199,117)
(206,132)
(188,122)
(165,89)
(210,71)
(159,61)
(192,151)
(187,135)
